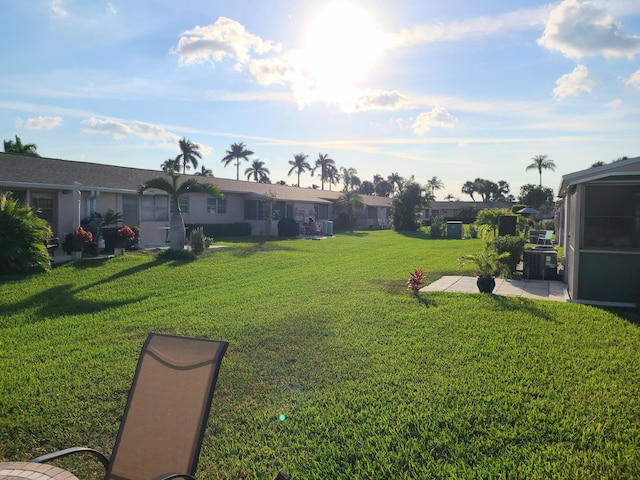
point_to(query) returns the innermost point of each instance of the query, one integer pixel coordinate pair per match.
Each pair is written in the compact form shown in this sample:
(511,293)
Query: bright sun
(342,45)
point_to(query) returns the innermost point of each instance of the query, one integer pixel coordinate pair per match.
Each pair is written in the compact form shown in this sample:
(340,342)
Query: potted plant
(488,265)
(124,238)
(79,238)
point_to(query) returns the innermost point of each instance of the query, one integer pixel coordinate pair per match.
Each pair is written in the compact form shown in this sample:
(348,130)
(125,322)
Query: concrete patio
(536,289)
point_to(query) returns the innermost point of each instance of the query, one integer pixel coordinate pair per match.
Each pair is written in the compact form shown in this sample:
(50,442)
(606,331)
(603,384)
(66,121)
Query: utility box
(540,263)
(454,230)
(328,228)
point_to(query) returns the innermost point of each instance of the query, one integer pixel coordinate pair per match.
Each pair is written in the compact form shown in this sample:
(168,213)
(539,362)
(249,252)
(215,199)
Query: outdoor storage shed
(599,220)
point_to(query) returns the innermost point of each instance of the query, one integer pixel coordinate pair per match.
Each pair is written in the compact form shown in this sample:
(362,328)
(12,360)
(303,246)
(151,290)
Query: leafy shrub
(288,227)
(197,241)
(168,254)
(549,225)
(473,231)
(22,238)
(438,227)
(514,246)
(218,230)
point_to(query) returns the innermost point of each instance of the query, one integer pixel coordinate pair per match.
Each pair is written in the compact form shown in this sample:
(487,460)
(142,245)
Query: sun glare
(342,45)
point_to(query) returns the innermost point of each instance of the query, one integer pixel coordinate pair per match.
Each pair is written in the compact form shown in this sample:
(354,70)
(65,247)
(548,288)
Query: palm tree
(449,197)
(18,147)
(394,179)
(541,162)
(350,178)
(237,152)
(172,163)
(299,165)
(175,191)
(258,171)
(333,177)
(367,188)
(190,154)
(348,203)
(434,184)
(204,172)
(322,162)
(469,188)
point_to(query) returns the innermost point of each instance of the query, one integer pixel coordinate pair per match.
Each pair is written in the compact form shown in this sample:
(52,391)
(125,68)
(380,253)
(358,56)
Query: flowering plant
(125,236)
(416,280)
(80,237)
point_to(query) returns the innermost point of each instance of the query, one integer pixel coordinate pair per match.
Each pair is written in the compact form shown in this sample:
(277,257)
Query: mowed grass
(372,382)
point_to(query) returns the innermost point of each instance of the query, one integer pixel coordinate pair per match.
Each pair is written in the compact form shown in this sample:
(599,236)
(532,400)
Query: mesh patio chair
(166,413)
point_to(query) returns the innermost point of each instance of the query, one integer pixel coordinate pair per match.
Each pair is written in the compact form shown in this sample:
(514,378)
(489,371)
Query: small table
(33,471)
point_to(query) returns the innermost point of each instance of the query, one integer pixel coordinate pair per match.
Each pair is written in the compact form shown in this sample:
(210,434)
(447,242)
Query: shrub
(125,236)
(168,254)
(438,227)
(549,225)
(197,241)
(514,246)
(288,227)
(473,231)
(22,238)
(416,280)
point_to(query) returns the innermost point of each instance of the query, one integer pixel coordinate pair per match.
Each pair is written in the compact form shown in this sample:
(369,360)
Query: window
(323,212)
(372,212)
(130,209)
(44,203)
(183,201)
(253,210)
(216,205)
(155,208)
(612,216)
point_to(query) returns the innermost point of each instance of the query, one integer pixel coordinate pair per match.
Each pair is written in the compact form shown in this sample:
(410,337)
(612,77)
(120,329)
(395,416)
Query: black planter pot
(486,283)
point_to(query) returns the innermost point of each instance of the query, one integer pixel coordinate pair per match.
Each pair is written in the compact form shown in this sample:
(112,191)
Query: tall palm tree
(205,172)
(190,154)
(175,190)
(322,162)
(469,188)
(333,177)
(18,147)
(349,203)
(433,184)
(299,165)
(258,171)
(541,162)
(394,179)
(350,178)
(237,152)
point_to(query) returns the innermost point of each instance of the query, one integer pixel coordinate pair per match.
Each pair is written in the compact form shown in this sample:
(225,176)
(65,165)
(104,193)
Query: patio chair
(166,414)
(545,238)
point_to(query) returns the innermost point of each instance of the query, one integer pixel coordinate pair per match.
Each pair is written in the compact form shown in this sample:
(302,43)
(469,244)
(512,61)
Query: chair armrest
(70,451)
(170,476)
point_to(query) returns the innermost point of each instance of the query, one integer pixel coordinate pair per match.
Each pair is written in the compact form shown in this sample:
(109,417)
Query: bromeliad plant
(124,237)
(416,280)
(80,238)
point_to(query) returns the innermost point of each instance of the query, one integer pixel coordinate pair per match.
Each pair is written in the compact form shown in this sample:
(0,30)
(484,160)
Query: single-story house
(599,228)
(451,210)
(66,191)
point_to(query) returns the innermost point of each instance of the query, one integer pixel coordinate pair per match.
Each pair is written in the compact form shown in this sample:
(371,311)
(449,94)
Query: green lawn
(372,382)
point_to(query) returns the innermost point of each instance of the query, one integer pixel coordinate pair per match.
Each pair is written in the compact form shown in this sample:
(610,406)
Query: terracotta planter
(486,283)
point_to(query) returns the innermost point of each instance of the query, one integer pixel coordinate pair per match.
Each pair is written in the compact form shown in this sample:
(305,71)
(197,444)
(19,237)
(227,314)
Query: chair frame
(222,347)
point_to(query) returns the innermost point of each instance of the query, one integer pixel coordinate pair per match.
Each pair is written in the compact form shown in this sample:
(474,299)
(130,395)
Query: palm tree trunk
(176,227)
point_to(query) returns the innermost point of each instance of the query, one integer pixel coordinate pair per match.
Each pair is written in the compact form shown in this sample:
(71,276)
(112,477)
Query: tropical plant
(125,236)
(449,197)
(333,177)
(382,187)
(367,188)
(322,163)
(258,171)
(514,246)
(197,240)
(11,146)
(433,184)
(170,163)
(204,172)
(349,203)
(190,154)
(469,188)
(350,178)
(406,206)
(23,236)
(299,165)
(438,227)
(174,189)
(237,152)
(394,180)
(80,238)
(488,219)
(487,262)
(416,280)
(535,196)
(541,162)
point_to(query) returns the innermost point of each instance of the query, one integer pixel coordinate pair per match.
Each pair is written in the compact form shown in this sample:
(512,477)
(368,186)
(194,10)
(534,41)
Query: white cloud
(120,130)
(575,83)
(271,71)
(633,80)
(437,117)
(577,29)
(478,27)
(617,103)
(226,38)
(111,9)
(379,100)
(58,9)
(41,123)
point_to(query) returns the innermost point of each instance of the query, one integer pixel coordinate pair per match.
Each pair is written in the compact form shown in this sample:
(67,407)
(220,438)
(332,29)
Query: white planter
(117,252)
(76,255)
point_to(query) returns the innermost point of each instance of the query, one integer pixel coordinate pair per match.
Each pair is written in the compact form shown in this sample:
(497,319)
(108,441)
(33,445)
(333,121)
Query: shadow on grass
(259,247)
(518,304)
(59,301)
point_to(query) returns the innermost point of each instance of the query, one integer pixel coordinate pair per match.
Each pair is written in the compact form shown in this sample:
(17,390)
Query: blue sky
(458,89)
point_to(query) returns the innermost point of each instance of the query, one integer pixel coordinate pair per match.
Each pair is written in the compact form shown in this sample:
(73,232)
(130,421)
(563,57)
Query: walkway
(536,289)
